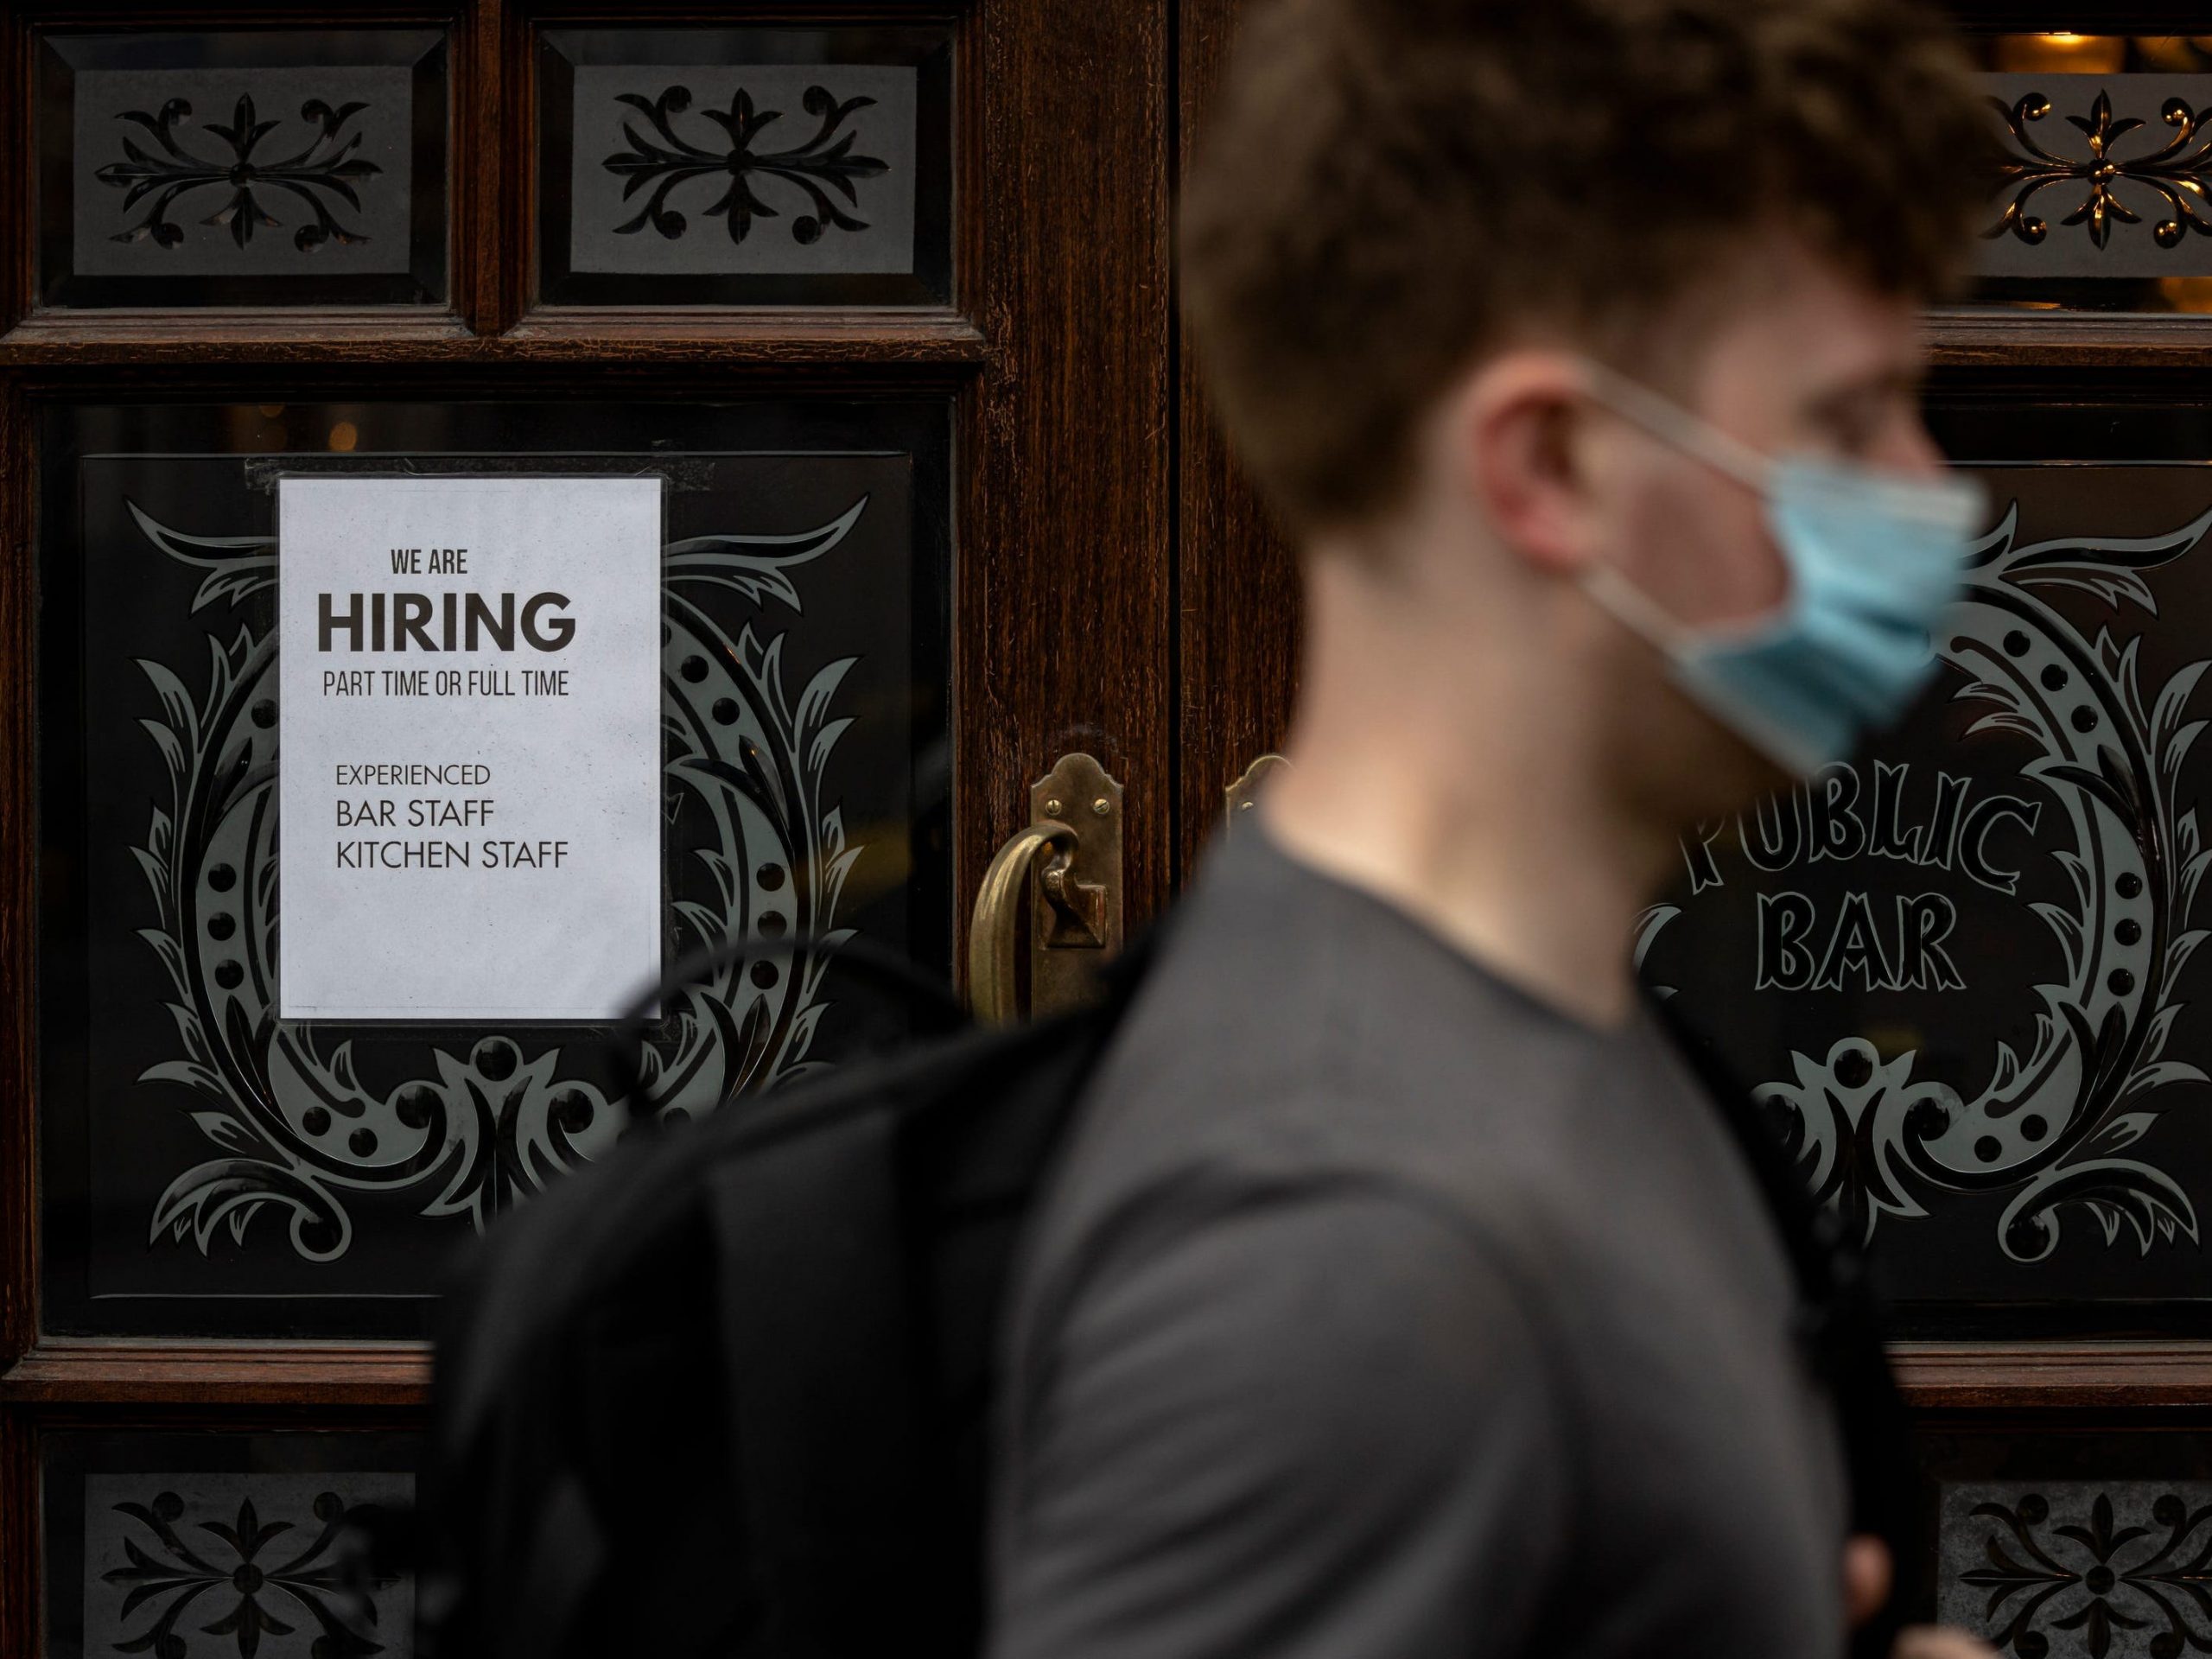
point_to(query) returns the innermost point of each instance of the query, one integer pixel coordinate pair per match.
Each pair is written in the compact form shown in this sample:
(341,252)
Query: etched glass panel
(2066,1542)
(2100,204)
(183,1543)
(1962,970)
(2115,1567)
(259,168)
(212,1167)
(745,167)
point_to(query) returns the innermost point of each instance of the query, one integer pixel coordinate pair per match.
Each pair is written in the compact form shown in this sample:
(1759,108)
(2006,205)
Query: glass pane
(1962,972)
(211,1168)
(2063,1543)
(745,167)
(2103,203)
(178,1542)
(247,168)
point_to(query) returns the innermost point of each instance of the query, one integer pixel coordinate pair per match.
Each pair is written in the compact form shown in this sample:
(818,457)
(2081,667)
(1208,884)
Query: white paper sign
(470,747)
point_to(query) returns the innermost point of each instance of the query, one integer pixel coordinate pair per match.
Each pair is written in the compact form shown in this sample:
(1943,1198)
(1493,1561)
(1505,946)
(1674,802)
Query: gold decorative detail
(2177,173)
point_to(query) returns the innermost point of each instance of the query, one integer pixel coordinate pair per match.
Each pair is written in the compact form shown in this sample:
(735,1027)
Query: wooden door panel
(241,166)
(982,368)
(209,1170)
(755,166)
(1236,578)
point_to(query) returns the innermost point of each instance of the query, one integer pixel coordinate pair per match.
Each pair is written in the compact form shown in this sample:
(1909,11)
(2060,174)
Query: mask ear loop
(1671,424)
(1678,428)
(1636,610)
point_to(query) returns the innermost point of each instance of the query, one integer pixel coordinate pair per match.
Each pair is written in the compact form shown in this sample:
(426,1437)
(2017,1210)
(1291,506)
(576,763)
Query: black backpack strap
(557,1571)
(862,1265)
(1840,1328)
(819,1350)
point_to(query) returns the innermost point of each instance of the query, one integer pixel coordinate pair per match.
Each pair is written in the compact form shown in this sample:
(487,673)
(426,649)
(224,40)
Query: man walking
(1403,1294)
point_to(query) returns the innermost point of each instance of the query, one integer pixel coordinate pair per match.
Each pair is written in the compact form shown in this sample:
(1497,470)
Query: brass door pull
(993,983)
(1064,874)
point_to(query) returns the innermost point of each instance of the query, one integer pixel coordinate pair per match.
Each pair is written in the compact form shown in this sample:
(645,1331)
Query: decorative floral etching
(294,1127)
(2054,1130)
(197,1557)
(824,164)
(2109,1572)
(253,181)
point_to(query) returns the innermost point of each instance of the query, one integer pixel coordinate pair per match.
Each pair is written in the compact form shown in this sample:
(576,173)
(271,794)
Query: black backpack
(728,1393)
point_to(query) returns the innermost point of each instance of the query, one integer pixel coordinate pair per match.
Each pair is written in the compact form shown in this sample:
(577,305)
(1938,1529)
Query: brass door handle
(1066,882)
(993,991)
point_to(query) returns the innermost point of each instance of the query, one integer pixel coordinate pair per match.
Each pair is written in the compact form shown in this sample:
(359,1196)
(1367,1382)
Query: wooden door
(1967,966)
(879,290)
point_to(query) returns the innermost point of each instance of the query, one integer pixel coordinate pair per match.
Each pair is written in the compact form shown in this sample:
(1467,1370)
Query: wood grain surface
(1237,579)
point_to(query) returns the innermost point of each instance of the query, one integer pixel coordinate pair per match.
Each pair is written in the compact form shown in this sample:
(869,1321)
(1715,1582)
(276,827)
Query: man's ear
(1519,432)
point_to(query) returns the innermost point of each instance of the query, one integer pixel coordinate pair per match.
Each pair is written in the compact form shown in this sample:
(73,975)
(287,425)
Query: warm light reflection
(2063,55)
(2169,52)
(1890,1041)
(344,436)
(2186,292)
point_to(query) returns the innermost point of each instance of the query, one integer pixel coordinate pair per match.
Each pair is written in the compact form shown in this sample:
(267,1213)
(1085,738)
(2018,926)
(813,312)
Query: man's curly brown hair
(1389,187)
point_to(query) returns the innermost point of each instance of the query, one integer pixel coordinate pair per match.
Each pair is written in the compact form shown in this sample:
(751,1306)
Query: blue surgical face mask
(1875,559)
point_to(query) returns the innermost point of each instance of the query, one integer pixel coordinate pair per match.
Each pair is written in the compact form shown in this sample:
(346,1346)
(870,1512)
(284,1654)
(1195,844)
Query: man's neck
(1461,797)
(1521,880)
